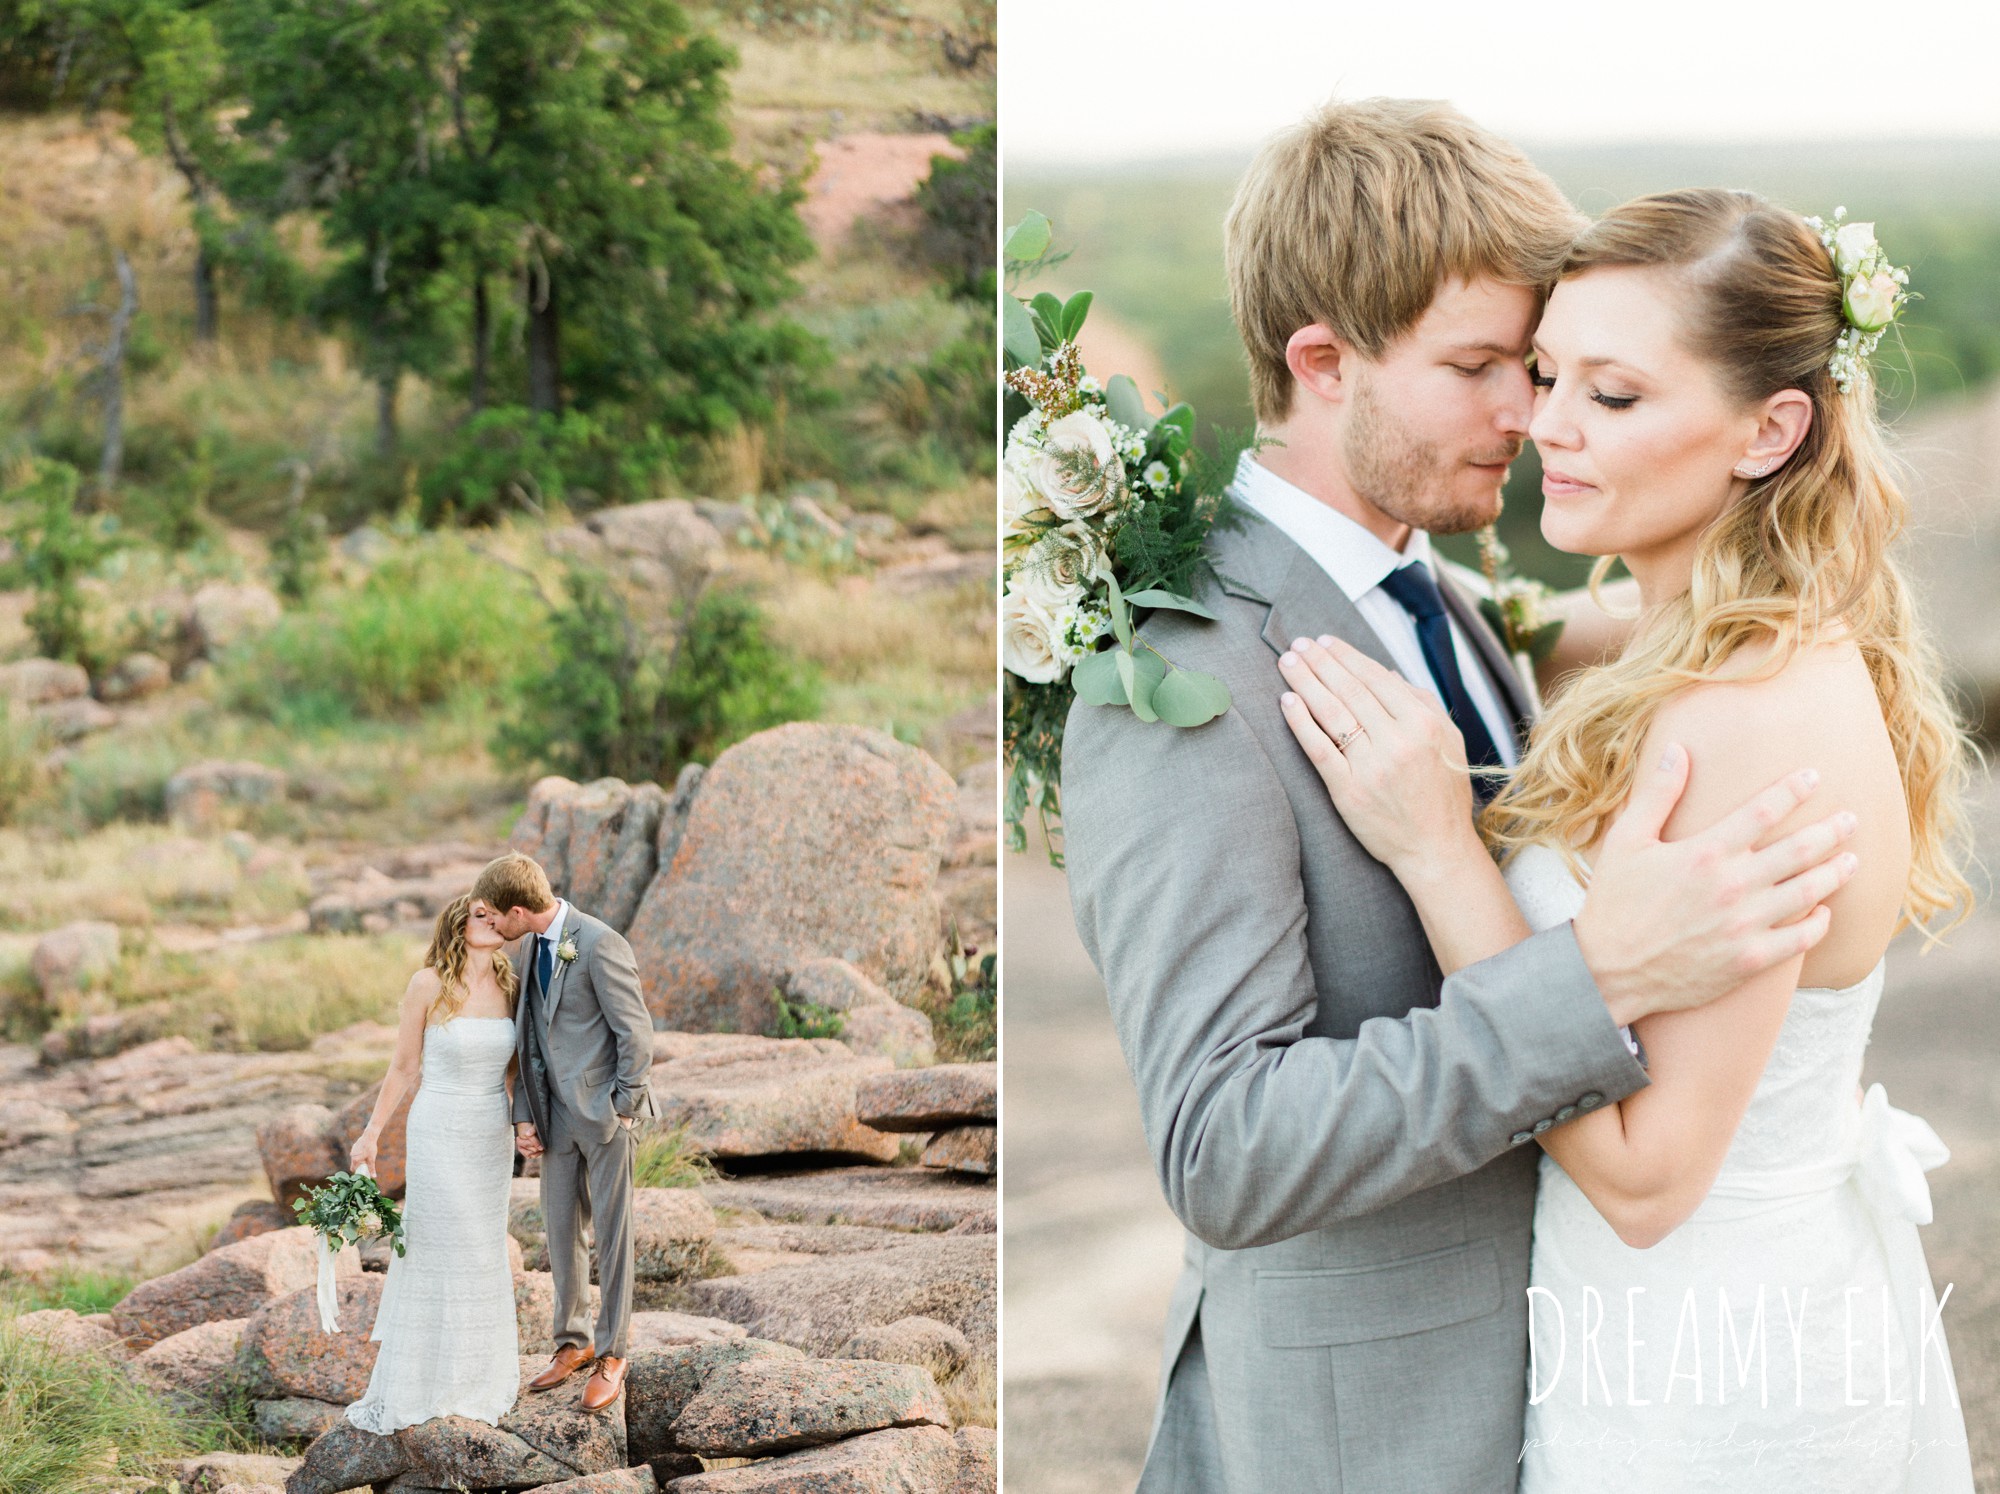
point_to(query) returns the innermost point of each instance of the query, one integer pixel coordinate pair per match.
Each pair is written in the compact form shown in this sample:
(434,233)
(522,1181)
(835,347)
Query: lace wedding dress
(1649,1370)
(450,1344)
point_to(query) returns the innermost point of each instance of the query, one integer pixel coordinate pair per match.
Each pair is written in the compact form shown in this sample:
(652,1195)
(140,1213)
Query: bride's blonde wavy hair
(449,955)
(1804,550)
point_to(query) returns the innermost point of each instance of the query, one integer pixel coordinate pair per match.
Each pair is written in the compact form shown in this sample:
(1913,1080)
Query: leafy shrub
(961,217)
(56,546)
(612,702)
(805,1019)
(119,778)
(512,458)
(425,626)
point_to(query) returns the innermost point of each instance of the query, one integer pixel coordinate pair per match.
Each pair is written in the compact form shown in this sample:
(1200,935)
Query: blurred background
(1816,106)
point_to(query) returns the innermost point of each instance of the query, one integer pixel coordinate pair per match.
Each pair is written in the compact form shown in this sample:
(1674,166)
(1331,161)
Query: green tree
(56,545)
(650,258)
(165,61)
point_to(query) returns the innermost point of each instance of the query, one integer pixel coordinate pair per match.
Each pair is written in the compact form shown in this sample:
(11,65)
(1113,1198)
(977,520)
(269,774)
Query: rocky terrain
(820,1311)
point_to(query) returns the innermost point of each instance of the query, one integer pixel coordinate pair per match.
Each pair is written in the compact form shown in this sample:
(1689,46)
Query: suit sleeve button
(1591,1099)
(1542,1125)
(1521,1136)
(1566,1112)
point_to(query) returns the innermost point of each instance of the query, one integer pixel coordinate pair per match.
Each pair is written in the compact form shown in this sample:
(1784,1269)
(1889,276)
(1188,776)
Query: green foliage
(959,204)
(22,747)
(609,702)
(426,625)
(77,1288)
(578,151)
(1154,506)
(77,1423)
(349,1207)
(666,1157)
(56,546)
(118,778)
(967,1027)
(298,551)
(805,1019)
(512,458)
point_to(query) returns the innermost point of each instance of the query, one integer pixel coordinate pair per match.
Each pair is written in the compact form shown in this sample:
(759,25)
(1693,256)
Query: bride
(1727,1290)
(450,1342)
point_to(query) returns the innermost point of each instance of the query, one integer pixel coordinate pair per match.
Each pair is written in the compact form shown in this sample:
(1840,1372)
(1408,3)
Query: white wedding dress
(450,1343)
(1647,1361)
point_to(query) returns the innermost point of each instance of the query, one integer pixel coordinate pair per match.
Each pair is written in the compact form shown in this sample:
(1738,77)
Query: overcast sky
(1100,80)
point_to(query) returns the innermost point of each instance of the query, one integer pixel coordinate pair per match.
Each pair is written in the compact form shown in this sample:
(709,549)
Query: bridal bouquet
(343,1210)
(1105,509)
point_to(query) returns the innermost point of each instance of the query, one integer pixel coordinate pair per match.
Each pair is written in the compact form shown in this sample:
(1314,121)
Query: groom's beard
(1408,478)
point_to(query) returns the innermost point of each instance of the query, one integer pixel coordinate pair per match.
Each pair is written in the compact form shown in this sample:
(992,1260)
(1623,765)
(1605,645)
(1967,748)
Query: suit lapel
(559,968)
(1259,561)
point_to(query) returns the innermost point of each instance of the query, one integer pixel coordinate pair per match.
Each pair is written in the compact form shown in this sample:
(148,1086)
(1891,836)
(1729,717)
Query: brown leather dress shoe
(606,1384)
(569,1359)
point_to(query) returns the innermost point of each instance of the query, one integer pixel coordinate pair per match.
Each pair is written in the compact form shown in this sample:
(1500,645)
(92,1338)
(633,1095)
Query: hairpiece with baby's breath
(1872,292)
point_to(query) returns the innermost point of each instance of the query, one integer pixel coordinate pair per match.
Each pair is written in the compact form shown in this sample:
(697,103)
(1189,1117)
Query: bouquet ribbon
(327,1296)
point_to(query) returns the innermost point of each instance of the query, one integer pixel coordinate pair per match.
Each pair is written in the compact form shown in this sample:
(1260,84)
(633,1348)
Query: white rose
(1028,639)
(1871,303)
(1852,243)
(1019,503)
(1059,567)
(1079,431)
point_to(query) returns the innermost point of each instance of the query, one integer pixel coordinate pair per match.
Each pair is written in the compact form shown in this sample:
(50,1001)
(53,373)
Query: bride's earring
(1755,471)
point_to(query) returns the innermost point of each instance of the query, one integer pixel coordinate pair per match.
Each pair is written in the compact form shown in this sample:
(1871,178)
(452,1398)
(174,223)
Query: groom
(1349,1138)
(585,1043)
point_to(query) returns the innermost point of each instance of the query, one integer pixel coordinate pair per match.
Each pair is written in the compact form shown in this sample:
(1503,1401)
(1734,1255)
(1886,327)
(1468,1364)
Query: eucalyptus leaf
(1125,404)
(1121,614)
(1075,309)
(1181,416)
(1050,310)
(1139,674)
(1188,697)
(1024,343)
(1029,239)
(1096,679)
(1155,596)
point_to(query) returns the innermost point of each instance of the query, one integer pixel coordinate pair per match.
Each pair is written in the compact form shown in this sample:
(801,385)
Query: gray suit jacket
(587,1044)
(1346,1135)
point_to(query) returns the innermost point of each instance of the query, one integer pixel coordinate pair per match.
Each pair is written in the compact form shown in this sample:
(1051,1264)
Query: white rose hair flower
(1872,292)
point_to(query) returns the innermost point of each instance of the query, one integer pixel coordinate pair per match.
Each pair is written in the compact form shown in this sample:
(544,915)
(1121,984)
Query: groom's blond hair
(514,881)
(1355,217)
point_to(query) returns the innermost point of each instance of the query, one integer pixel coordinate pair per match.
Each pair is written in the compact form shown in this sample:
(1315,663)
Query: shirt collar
(1353,556)
(554,933)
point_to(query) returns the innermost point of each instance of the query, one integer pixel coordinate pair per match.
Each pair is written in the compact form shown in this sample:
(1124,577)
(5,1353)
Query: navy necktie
(544,962)
(1416,592)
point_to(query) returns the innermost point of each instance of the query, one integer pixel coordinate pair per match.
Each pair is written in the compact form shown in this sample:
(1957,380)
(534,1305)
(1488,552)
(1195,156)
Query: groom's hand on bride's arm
(1669,925)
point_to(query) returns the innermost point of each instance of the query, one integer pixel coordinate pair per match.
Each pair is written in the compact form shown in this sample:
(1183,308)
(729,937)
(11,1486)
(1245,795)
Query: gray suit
(1346,1135)
(586,1054)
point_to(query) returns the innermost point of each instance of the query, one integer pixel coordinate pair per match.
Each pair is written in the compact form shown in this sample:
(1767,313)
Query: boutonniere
(566,949)
(1515,606)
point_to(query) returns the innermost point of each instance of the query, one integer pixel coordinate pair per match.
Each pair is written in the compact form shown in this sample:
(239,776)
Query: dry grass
(277,995)
(793,80)
(973,1395)
(902,662)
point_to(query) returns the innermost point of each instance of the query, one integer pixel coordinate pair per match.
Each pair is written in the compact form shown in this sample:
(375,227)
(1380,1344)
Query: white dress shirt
(1357,561)
(554,936)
